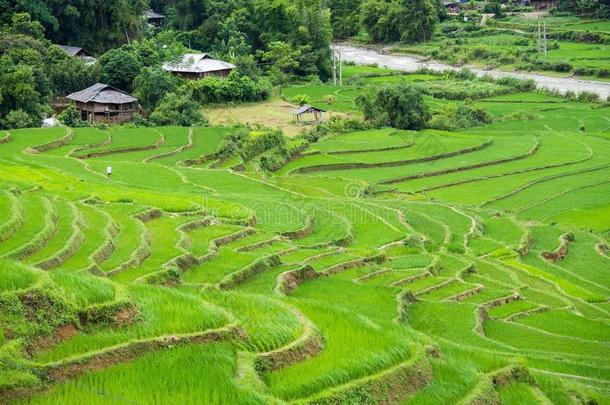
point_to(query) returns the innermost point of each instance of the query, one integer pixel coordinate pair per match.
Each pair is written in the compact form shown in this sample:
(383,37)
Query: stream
(363,56)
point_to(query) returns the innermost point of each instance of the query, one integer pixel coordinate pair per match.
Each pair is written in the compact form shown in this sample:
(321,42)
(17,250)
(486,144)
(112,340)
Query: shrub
(450,28)
(248,143)
(463,89)
(71,117)
(178,109)
(399,106)
(588,97)
(521,116)
(300,99)
(520,85)
(18,119)
(234,88)
(465,115)
(468,115)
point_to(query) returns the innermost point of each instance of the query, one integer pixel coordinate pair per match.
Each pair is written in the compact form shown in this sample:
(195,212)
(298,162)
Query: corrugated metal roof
(197,63)
(103,94)
(70,50)
(307,108)
(150,14)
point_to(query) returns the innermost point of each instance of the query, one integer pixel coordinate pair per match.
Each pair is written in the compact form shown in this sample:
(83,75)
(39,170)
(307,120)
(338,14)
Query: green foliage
(300,99)
(22,94)
(22,23)
(18,119)
(151,85)
(234,88)
(248,143)
(344,17)
(465,115)
(399,20)
(36,311)
(96,26)
(398,106)
(119,68)
(71,117)
(31,71)
(493,7)
(178,109)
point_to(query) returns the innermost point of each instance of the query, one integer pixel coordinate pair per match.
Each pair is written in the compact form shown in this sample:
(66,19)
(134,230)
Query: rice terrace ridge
(435,236)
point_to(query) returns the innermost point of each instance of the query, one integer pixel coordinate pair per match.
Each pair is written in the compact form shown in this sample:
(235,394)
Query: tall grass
(15,276)
(192,374)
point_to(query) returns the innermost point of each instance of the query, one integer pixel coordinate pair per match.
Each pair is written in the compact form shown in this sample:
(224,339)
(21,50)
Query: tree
(404,20)
(398,106)
(119,68)
(178,109)
(420,20)
(283,60)
(374,18)
(312,35)
(68,74)
(24,92)
(151,85)
(22,23)
(344,17)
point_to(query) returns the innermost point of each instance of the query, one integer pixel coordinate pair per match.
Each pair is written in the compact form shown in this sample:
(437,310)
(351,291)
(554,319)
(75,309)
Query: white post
(340,67)
(538,41)
(545,39)
(334,65)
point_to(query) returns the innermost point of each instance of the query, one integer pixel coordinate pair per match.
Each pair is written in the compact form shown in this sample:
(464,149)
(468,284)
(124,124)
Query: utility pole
(340,66)
(334,65)
(544,39)
(538,42)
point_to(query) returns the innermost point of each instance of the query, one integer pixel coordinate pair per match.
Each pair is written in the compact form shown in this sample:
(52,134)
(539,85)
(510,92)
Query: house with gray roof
(197,66)
(78,52)
(104,103)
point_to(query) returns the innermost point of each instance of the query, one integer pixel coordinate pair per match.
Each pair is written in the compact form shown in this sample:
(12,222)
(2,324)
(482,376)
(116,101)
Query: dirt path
(363,56)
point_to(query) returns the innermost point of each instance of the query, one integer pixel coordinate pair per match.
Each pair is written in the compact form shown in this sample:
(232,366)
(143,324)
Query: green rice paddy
(451,279)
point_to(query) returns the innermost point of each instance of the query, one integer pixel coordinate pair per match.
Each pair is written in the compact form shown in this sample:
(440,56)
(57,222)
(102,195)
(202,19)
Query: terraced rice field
(380,266)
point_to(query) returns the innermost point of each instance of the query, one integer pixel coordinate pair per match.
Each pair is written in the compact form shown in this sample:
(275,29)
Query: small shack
(198,65)
(153,18)
(307,114)
(104,103)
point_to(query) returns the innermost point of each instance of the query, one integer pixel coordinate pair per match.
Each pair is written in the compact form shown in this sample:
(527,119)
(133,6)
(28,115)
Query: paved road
(362,56)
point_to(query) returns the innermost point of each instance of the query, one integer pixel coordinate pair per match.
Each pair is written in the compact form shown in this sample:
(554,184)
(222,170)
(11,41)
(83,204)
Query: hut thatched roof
(197,63)
(306,108)
(102,94)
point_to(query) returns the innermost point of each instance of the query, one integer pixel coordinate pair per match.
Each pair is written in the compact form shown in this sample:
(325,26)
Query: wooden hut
(153,18)
(198,65)
(104,103)
(307,114)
